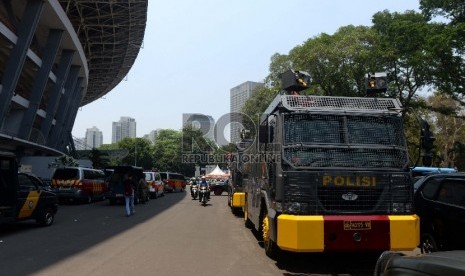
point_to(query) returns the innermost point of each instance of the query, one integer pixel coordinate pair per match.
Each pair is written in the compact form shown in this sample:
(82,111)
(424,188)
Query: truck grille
(344,193)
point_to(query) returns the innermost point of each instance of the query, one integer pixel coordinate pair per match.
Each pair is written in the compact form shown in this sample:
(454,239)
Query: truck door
(28,197)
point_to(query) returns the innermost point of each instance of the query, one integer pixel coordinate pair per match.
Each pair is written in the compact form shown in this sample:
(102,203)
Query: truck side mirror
(263,134)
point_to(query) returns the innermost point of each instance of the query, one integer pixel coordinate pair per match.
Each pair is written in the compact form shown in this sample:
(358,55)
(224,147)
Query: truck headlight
(402,207)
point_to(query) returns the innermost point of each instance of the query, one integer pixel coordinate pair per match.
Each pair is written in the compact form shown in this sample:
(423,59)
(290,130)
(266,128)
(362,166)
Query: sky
(194,52)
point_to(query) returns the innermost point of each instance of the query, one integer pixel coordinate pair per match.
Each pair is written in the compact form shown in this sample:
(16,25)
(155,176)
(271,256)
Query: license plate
(65,188)
(357,225)
(119,195)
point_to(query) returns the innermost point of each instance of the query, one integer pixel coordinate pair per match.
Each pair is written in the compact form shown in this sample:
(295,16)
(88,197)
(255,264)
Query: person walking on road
(129,194)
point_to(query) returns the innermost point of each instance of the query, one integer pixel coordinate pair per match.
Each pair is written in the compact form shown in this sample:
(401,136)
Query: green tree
(256,105)
(193,141)
(338,63)
(99,159)
(140,152)
(448,42)
(222,153)
(450,129)
(66,160)
(459,149)
(114,153)
(109,147)
(195,145)
(279,64)
(405,52)
(167,150)
(453,10)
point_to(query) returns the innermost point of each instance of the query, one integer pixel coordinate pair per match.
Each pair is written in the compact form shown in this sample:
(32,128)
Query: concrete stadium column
(73,118)
(15,63)
(64,105)
(52,105)
(50,52)
(71,115)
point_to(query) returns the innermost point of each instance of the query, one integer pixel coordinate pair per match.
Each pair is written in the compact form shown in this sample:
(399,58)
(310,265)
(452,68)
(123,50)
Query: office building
(125,127)
(152,136)
(239,96)
(94,138)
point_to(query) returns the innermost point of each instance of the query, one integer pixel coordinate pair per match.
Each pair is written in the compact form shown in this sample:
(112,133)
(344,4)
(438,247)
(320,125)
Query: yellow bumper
(301,233)
(238,200)
(307,233)
(405,232)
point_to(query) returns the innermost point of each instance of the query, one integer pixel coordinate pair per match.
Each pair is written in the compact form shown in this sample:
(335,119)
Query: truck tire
(428,243)
(248,223)
(271,249)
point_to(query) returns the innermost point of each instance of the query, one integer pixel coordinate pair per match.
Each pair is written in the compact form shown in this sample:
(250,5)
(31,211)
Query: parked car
(419,172)
(440,204)
(448,263)
(156,187)
(422,171)
(173,181)
(79,184)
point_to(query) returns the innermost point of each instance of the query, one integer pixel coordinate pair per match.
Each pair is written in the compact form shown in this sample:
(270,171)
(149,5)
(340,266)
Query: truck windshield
(317,140)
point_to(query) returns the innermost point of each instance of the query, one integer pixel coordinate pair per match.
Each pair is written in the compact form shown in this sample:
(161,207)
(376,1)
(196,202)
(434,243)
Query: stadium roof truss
(111,33)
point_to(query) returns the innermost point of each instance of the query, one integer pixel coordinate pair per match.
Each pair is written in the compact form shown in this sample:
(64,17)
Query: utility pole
(135,155)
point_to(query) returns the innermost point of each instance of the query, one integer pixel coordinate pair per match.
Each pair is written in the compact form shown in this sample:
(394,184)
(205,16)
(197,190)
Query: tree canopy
(421,53)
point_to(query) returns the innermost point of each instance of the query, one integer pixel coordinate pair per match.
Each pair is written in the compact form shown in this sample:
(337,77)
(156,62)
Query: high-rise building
(94,138)
(239,96)
(205,123)
(152,136)
(125,127)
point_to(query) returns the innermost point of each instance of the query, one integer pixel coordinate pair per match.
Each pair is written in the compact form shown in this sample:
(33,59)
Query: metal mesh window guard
(342,103)
(348,141)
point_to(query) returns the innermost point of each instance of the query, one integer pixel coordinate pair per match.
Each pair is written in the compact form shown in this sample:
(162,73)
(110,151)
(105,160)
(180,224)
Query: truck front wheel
(271,249)
(248,223)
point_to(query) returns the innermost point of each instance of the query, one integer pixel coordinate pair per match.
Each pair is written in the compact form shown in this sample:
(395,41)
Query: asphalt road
(172,235)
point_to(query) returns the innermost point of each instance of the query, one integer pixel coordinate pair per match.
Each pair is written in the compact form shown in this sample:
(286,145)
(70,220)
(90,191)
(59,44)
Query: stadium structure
(55,57)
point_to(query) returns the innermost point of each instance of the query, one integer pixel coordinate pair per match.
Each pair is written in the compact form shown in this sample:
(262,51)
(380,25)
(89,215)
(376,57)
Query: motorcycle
(203,195)
(194,191)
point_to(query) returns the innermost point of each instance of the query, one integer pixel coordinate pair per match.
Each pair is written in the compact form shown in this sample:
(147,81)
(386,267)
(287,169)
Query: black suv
(440,204)
(23,196)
